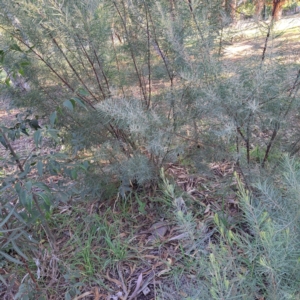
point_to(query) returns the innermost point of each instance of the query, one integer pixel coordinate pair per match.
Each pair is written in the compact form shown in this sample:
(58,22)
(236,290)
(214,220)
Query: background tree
(259,6)
(230,7)
(277,6)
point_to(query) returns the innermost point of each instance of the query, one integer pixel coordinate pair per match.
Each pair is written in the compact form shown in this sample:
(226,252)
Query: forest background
(149,149)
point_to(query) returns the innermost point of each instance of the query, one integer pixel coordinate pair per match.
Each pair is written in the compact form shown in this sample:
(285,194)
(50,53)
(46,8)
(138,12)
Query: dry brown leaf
(157,230)
(183,294)
(149,256)
(117,282)
(96,294)
(138,285)
(83,295)
(158,264)
(179,237)
(207,209)
(162,272)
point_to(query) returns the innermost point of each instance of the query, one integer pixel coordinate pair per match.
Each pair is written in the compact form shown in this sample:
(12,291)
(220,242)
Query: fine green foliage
(103,82)
(259,258)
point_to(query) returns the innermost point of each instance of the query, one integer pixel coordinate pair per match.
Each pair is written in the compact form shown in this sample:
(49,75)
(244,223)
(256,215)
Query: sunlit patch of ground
(243,41)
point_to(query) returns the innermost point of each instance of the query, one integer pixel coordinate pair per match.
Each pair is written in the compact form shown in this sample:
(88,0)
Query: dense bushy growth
(141,84)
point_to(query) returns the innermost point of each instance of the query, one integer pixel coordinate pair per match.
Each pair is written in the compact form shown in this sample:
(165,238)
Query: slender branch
(274,134)
(277,125)
(101,69)
(295,85)
(30,273)
(93,67)
(248,138)
(70,65)
(12,151)
(63,80)
(269,31)
(241,134)
(201,36)
(160,52)
(117,61)
(237,149)
(149,55)
(131,52)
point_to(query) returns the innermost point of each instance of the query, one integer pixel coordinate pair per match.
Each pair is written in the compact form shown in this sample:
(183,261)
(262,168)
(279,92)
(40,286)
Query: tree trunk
(259,5)
(277,9)
(230,9)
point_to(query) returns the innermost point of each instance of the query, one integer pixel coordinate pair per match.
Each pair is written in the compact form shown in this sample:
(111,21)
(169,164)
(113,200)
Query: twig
(149,55)
(269,31)
(131,51)
(30,274)
(274,134)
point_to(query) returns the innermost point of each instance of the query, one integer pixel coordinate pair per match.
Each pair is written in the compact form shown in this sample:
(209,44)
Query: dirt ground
(249,41)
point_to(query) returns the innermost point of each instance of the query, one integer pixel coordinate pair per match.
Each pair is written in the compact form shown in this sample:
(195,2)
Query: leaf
(2,53)
(63,197)
(21,71)
(37,136)
(59,110)
(45,197)
(68,296)
(74,174)
(7,81)
(42,186)
(53,133)
(18,187)
(18,250)
(52,118)
(69,104)
(15,47)
(24,63)
(7,217)
(207,210)
(142,206)
(10,258)
(138,285)
(4,283)
(28,185)
(40,168)
(23,197)
(86,164)
(26,171)
(79,102)
(83,92)
(2,231)
(158,231)
(82,296)
(4,187)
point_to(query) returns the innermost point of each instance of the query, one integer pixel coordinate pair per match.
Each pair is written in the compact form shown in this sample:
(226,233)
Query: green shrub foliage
(135,85)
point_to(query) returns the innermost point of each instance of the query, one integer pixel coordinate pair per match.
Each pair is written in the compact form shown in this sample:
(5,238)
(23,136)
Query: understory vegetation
(149,150)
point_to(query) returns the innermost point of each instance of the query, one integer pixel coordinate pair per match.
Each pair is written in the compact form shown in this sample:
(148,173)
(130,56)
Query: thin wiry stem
(93,67)
(117,61)
(71,66)
(131,51)
(60,77)
(148,55)
(160,52)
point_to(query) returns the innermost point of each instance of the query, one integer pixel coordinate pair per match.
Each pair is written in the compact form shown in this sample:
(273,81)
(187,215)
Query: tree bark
(230,9)
(277,9)
(259,5)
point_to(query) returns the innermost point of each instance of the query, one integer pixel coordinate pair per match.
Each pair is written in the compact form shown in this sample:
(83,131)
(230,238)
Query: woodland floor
(143,251)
